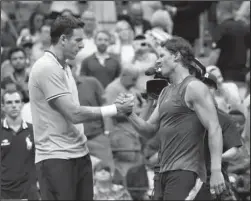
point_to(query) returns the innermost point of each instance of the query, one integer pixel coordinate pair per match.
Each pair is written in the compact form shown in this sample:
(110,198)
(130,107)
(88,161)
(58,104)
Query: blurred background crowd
(116,54)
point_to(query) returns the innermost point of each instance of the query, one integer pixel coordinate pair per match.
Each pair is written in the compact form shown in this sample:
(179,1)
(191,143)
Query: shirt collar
(50,54)
(107,56)
(5,124)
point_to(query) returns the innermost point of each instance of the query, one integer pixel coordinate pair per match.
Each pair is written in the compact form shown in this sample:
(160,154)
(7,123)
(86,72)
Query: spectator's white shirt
(26,113)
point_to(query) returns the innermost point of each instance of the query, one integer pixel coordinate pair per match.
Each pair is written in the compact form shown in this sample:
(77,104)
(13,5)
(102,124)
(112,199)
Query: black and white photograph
(125,100)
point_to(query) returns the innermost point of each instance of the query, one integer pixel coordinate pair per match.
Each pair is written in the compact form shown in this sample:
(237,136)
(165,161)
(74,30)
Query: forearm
(142,127)
(215,144)
(83,114)
(230,154)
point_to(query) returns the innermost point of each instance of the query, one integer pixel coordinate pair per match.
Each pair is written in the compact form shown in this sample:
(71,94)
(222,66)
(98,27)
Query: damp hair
(64,25)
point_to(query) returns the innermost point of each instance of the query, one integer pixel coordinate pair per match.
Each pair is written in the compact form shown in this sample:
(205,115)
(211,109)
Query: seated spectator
(98,142)
(20,75)
(90,48)
(104,189)
(123,42)
(101,65)
(18,172)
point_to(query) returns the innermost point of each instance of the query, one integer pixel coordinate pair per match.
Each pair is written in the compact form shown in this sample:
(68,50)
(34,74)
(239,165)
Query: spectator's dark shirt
(17,161)
(90,92)
(105,74)
(232,39)
(231,138)
(186,20)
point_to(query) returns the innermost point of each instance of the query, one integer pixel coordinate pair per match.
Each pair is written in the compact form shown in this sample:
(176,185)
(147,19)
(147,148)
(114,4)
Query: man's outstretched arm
(80,114)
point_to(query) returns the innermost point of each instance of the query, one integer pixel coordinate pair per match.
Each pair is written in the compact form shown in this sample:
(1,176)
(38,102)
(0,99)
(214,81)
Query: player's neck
(177,76)
(57,51)
(14,123)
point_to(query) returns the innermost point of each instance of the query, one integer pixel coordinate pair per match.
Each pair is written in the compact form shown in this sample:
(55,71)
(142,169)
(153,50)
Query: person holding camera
(184,111)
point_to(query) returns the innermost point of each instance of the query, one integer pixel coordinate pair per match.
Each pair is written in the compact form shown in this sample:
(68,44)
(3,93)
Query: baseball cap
(210,79)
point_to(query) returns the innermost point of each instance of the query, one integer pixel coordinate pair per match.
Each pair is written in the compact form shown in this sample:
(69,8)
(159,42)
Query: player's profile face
(74,43)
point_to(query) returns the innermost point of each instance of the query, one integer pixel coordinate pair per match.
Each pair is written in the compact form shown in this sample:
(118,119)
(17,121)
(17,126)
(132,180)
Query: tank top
(181,132)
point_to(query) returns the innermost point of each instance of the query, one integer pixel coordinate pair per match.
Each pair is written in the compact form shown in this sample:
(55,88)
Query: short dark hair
(104,31)
(14,50)
(64,25)
(11,92)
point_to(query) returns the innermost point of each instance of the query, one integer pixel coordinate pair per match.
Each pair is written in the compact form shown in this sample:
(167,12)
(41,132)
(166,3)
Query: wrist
(215,170)
(109,110)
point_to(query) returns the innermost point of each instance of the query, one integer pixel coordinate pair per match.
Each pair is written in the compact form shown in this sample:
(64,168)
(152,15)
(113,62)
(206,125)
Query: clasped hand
(124,103)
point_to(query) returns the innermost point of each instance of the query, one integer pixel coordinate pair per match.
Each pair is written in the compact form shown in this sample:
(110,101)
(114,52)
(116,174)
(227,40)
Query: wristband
(109,111)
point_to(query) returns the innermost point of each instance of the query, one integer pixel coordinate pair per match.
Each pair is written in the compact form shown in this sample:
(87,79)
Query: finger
(217,190)
(221,188)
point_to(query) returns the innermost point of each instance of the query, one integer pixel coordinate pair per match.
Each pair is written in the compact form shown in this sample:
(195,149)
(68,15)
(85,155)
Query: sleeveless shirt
(181,132)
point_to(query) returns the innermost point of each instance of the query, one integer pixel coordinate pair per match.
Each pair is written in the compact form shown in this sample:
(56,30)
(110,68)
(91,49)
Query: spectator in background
(23,32)
(149,7)
(123,46)
(26,44)
(90,48)
(161,20)
(122,134)
(104,189)
(144,58)
(19,76)
(101,65)
(135,18)
(7,39)
(44,42)
(97,140)
(18,173)
(140,25)
(186,17)
(36,21)
(230,44)
(227,94)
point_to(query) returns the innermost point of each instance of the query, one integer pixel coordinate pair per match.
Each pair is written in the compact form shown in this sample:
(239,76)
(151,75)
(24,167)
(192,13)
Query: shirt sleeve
(231,135)
(52,83)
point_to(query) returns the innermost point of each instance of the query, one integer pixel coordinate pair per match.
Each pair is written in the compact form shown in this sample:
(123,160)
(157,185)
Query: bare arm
(230,154)
(200,100)
(146,128)
(74,113)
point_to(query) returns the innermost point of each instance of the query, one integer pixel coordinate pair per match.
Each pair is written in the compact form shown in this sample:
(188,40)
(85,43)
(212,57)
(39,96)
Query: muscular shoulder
(196,90)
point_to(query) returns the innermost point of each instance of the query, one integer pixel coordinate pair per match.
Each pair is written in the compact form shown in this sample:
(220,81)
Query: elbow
(73,116)
(215,130)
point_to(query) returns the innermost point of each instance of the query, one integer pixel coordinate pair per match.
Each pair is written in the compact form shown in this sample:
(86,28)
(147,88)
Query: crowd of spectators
(115,60)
